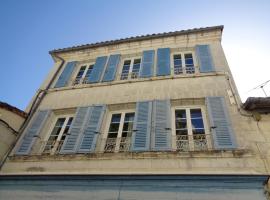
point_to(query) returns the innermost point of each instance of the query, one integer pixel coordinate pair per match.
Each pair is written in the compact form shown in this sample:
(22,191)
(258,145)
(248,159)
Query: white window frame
(183,62)
(120,130)
(189,126)
(130,68)
(53,150)
(82,79)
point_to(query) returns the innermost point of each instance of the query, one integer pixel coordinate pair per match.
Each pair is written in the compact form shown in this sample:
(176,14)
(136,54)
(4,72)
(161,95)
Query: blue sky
(30,28)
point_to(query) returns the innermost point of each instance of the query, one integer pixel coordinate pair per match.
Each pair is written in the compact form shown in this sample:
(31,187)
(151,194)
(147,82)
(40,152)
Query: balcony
(117,144)
(197,142)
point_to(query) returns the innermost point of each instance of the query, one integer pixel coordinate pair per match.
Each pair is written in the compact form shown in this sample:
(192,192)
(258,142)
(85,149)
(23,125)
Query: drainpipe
(39,97)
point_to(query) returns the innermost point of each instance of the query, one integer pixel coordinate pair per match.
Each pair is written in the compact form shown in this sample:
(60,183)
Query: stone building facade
(147,117)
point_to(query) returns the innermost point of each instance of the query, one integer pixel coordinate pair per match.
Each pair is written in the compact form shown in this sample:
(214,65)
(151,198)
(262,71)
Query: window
(190,132)
(183,63)
(130,69)
(119,133)
(83,75)
(58,135)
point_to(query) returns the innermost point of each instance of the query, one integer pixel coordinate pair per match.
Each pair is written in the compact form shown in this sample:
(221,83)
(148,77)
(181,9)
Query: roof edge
(13,109)
(137,38)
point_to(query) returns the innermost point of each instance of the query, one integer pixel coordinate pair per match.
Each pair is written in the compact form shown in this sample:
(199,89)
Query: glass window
(190,131)
(177,61)
(197,121)
(58,135)
(136,68)
(89,71)
(125,70)
(181,122)
(189,64)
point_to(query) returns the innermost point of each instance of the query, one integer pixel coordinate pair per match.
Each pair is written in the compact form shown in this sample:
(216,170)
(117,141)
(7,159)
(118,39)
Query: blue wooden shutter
(71,141)
(161,130)
(111,68)
(92,129)
(147,64)
(98,69)
(66,74)
(221,128)
(32,132)
(142,127)
(204,58)
(163,62)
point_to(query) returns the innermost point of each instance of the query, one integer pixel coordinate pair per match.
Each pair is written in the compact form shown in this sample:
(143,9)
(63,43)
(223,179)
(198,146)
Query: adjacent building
(147,117)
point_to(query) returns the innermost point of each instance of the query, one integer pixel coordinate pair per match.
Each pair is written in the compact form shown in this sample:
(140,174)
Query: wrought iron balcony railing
(196,142)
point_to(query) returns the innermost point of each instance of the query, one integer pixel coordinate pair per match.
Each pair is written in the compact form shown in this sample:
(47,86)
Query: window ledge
(117,82)
(238,153)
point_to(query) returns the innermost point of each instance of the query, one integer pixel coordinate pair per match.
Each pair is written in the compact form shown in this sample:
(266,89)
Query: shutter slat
(75,131)
(204,58)
(111,68)
(92,129)
(66,74)
(32,131)
(142,127)
(221,128)
(161,134)
(147,64)
(98,69)
(163,62)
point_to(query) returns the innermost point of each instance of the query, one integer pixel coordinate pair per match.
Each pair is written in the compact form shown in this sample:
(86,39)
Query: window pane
(125,70)
(89,71)
(180,124)
(180,114)
(182,132)
(116,118)
(196,113)
(129,117)
(197,123)
(81,71)
(114,127)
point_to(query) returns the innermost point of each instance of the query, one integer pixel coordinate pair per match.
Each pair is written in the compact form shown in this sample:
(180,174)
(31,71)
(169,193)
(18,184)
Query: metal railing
(117,144)
(196,142)
(127,75)
(186,70)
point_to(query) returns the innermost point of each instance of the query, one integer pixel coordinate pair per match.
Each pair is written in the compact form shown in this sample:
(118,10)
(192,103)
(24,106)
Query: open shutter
(98,69)
(111,68)
(66,74)
(32,132)
(92,129)
(142,127)
(75,130)
(163,62)
(161,131)
(221,128)
(204,58)
(147,64)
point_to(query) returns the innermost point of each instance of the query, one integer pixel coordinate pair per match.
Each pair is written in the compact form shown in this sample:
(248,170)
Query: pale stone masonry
(250,157)
(247,152)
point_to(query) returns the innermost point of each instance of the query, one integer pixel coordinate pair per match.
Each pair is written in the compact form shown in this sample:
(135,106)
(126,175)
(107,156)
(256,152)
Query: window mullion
(189,126)
(59,135)
(183,61)
(119,134)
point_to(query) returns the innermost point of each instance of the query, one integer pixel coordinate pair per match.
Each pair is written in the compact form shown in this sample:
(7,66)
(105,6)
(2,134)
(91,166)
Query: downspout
(39,97)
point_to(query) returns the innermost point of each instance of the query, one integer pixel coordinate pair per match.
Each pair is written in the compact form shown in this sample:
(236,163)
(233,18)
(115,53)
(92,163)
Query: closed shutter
(92,129)
(147,64)
(204,58)
(111,68)
(66,74)
(142,127)
(161,129)
(75,130)
(98,69)
(163,62)
(32,132)
(221,128)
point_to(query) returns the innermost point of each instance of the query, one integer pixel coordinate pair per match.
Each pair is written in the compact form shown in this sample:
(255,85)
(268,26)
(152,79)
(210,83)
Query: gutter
(37,101)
